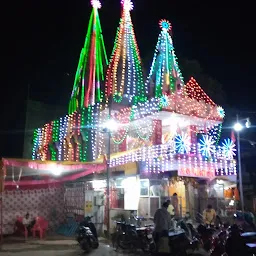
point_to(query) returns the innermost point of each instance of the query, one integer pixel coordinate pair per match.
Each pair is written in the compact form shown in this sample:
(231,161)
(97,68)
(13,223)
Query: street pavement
(58,250)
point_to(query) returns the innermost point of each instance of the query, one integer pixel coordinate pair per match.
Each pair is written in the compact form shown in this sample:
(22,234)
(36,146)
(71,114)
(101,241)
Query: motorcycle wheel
(85,246)
(120,242)
(95,244)
(149,247)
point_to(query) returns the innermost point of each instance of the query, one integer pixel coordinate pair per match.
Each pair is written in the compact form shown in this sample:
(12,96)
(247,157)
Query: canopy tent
(21,172)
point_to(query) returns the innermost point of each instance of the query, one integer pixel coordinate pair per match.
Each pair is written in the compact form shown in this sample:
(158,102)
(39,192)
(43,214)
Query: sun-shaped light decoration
(127,4)
(182,143)
(221,111)
(164,101)
(206,145)
(228,149)
(96,4)
(165,25)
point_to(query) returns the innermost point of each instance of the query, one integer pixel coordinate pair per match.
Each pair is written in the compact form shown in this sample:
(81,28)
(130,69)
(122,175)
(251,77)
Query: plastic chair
(20,228)
(40,226)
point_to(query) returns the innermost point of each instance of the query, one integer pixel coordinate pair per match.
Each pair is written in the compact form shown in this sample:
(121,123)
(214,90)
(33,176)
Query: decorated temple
(162,126)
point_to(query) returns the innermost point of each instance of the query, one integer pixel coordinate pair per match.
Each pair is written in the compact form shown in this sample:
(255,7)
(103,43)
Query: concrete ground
(54,246)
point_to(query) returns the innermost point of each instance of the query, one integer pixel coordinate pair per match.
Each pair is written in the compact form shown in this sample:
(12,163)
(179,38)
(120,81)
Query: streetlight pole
(108,181)
(240,169)
(108,167)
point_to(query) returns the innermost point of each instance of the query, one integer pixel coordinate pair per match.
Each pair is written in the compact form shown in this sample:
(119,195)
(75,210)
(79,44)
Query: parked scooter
(87,235)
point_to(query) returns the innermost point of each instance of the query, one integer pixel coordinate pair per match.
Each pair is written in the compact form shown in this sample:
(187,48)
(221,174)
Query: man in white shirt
(28,222)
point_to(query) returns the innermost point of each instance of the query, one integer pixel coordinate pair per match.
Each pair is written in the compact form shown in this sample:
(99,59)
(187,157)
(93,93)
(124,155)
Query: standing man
(162,221)
(209,215)
(175,203)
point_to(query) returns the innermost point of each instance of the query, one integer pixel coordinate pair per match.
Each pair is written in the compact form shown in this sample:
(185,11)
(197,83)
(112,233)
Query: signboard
(197,173)
(157,133)
(225,172)
(88,207)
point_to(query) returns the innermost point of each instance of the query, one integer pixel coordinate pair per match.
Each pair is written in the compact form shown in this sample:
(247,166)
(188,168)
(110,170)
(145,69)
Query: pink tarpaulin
(80,169)
(48,165)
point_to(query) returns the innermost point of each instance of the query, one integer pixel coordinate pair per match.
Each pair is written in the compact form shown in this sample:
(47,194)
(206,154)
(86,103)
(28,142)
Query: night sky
(42,42)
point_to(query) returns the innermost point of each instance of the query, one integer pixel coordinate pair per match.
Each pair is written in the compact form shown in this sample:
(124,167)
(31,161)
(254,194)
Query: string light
(125,57)
(96,4)
(186,110)
(206,145)
(91,67)
(165,75)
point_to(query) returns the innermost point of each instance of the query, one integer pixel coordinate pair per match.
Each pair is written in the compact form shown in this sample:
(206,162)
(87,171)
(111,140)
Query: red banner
(197,173)
(123,146)
(157,132)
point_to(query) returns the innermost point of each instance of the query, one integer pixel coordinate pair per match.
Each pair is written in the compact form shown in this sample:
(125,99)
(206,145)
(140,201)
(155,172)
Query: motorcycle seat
(84,228)
(141,229)
(149,225)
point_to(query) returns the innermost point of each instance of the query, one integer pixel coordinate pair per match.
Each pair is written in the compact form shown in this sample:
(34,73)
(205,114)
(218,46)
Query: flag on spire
(124,75)
(165,76)
(88,86)
(233,136)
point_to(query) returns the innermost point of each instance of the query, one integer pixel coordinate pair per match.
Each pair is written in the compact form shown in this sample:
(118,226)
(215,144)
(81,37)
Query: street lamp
(238,127)
(109,126)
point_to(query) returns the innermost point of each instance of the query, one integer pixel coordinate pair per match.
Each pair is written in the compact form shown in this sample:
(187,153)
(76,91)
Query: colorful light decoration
(79,137)
(165,76)
(206,146)
(127,5)
(183,144)
(229,148)
(96,4)
(165,25)
(221,111)
(164,101)
(215,133)
(161,157)
(124,76)
(88,86)
(194,91)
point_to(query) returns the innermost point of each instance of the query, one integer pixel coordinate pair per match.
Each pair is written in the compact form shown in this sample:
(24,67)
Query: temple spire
(88,86)
(165,76)
(124,79)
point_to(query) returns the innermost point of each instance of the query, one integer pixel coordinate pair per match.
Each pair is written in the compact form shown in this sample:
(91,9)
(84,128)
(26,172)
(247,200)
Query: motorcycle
(219,242)
(128,236)
(87,236)
(194,244)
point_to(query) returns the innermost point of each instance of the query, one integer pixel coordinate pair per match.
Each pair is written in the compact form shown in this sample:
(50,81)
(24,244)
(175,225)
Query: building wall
(38,114)
(47,203)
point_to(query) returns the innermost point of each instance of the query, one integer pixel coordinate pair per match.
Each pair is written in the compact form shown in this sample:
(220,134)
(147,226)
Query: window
(144,188)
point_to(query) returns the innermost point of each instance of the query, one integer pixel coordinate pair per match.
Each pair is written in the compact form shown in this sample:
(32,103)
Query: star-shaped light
(206,145)
(182,143)
(165,25)
(229,149)
(127,4)
(221,111)
(164,101)
(96,4)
